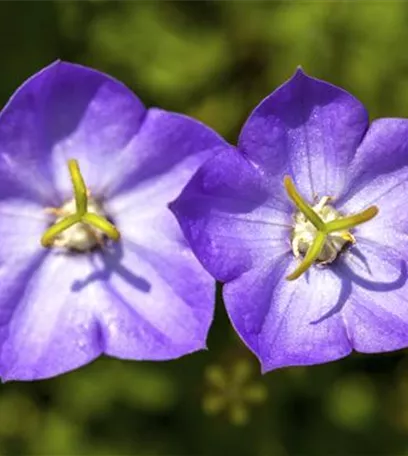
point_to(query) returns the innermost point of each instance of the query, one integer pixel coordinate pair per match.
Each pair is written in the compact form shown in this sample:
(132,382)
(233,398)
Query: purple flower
(306,222)
(142,297)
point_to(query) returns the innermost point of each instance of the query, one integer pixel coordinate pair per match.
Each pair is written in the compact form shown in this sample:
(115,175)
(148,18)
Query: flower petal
(377,312)
(169,147)
(40,323)
(230,218)
(65,111)
(165,299)
(160,302)
(47,327)
(289,323)
(21,226)
(379,175)
(308,129)
(59,311)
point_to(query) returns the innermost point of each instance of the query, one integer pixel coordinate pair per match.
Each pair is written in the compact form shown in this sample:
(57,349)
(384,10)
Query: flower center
(304,234)
(320,232)
(81,236)
(81,223)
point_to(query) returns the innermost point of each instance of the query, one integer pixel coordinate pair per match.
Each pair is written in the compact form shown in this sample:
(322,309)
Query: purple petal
(59,311)
(289,323)
(308,129)
(170,297)
(379,176)
(22,224)
(21,227)
(65,111)
(166,144)
(231,220)
(376,314)
(160,302)
(47,328)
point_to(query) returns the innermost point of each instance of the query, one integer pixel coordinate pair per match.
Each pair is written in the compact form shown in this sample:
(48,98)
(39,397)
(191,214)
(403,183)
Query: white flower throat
(304,234)
(320,232)
(81,223)
(80,237)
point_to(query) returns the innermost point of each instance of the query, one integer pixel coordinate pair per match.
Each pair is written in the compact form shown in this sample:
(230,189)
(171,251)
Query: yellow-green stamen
(301,204)
(324,229)
(54,230)
(102,224)
(352,221)
(80,192)
(310,257)
(82,215)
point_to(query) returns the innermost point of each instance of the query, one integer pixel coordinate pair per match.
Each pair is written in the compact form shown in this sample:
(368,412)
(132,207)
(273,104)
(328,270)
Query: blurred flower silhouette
(232,391)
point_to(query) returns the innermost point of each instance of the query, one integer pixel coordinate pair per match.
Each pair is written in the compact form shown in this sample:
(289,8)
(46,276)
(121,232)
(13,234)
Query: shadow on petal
(346,289)
(350,279)
(112,262)
(373,285)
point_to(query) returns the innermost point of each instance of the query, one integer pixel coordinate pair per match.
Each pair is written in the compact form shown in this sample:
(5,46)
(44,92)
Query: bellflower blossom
(91,259)
(306,222)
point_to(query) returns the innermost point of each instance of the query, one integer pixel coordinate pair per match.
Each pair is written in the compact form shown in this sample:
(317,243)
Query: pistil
(322,229)
(84,215)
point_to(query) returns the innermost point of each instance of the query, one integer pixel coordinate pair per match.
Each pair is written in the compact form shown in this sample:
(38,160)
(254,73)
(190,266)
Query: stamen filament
(310,257)
(351,221)
(302,205)
(323,229)
(82,215)
(54,230)
(102,224)
(80,191)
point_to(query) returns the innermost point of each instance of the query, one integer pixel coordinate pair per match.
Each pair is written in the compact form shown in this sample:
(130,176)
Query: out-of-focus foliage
(214,61)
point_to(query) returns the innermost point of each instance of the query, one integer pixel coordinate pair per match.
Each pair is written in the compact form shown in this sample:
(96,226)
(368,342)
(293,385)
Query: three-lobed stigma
(320,232)
(81,224)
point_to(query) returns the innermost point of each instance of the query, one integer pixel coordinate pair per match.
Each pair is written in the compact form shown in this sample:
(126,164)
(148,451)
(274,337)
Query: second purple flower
(306,223)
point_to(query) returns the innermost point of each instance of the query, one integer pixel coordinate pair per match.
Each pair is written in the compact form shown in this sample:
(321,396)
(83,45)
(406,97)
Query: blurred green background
(214,61)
